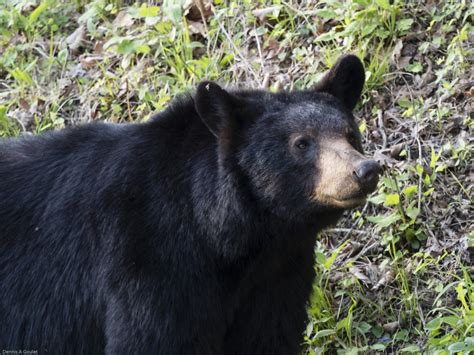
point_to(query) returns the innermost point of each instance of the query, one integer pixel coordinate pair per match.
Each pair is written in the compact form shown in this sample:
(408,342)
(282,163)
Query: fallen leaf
(123,19)
(396,53)
(387,276)
(391,327)
(383,159)
(197,10)
(396,149)
(76,39)
(24,104)
(403,62)
(99,46)
(357,272)
(196,27)
(470,92)
(88,62)
(261,13)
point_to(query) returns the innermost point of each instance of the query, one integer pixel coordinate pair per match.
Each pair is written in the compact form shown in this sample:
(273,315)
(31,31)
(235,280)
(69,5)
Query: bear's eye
(302,143)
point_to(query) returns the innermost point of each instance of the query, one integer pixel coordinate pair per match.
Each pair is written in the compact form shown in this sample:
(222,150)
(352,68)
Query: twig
(364,250)
(357,220)
(381,125)
(200,6)
(129,109)
(347,230)
(262,61)
(249,67)
(417,138)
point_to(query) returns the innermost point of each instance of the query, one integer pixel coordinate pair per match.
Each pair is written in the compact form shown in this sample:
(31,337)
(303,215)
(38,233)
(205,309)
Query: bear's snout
(367,175)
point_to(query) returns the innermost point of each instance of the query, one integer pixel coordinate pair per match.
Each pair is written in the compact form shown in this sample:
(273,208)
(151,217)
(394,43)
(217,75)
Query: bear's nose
(367,174)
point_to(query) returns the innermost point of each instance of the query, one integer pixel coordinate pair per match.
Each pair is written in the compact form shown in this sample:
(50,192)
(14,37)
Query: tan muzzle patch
(335,184)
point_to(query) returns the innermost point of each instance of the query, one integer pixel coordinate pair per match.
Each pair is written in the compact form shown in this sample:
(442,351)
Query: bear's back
(48,243)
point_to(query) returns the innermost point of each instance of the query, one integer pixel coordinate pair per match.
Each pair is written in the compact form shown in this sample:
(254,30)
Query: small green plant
(451,330)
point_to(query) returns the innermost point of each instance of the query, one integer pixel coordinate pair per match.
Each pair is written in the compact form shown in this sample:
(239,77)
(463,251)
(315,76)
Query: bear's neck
(226,205)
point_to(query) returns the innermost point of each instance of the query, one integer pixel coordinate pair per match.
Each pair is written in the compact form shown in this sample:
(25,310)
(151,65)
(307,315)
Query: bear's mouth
(346,201)
(350,201)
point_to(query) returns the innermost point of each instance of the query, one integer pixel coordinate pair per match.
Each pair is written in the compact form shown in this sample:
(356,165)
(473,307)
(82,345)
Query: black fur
(162,237)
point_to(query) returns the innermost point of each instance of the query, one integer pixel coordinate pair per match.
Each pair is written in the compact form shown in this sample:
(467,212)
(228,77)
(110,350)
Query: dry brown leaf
(28,6)
(357,272)
(383,159)
(76,39)
(403,62)
(197,10)
(99,46)
(261,13)
(391,327)
(123,19)
(396,53)
(24,104)
(470,92)
(88,62)
(396,149)
(196,27)
(387,276)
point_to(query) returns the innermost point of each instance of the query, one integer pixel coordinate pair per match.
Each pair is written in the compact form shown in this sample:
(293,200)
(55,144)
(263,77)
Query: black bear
(192,233)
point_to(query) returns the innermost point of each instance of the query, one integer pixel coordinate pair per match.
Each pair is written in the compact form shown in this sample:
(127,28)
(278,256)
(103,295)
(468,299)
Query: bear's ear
(214,105)
(345,80)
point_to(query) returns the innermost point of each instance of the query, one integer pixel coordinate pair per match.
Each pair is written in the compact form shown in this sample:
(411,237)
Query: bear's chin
(346,202)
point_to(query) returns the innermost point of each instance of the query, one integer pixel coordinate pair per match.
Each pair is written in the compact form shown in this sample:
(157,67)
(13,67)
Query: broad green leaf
(434,324)
(384,4)
(195,44)
(143,48)
(328,36)
(334,255)
(324,333)
(412,211)
(447,339)
(38,11)
(148,11)
(378,346)
(415,67)
(457,347)
(320,258)
(404,102)
(226,59)
(367,30)
(364,327)
(21,76)
(452,320)
(173,9)
(384,221)
(411,349)
(410,190)
(377,199)
(260,31)
(404,24)
(325,13)
(377,331)
(461,291)
(392,199)
(352,351)
(126,47)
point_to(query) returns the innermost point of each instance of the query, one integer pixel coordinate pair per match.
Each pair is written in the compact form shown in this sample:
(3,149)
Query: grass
(394,276)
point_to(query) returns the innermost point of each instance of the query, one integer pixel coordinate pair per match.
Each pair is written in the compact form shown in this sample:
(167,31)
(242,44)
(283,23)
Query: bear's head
(296,152)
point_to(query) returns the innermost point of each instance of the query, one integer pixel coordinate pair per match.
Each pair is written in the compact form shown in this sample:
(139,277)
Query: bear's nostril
(367,172)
